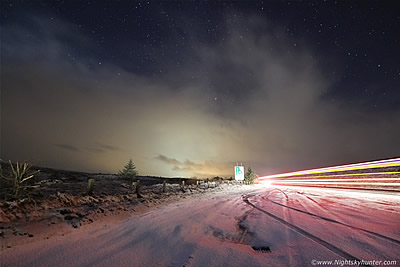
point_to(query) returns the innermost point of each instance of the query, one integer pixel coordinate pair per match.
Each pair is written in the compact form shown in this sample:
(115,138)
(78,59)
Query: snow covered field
(240,226)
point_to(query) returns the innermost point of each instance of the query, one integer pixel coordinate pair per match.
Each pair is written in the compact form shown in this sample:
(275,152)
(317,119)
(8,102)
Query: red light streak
(350,167)
(350,183)
(319,177)
(335,180)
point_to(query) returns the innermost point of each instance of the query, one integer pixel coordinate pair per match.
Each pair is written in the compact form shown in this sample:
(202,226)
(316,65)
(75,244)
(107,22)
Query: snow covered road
(251,226)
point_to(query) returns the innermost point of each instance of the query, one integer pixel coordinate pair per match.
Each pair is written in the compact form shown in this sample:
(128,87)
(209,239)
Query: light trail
(335,170)
(332,190)
(358,166)
(333,180)
(321,176)
(348,174)
(350,183)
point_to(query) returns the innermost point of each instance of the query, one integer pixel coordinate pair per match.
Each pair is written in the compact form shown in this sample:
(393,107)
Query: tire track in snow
(301,231)
(337,222)
(288,217)
(340,220)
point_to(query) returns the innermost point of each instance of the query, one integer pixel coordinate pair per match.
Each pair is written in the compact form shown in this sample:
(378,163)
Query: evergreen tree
(129,171)
(250,176)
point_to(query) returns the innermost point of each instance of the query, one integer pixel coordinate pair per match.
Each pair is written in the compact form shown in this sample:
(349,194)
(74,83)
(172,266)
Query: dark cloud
(67,147)
(108,147)
(190,167)
(167,160)
(201,169)
(101,148)
(95,150)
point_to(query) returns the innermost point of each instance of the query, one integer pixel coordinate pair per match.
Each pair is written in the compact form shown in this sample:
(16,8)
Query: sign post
(239,173)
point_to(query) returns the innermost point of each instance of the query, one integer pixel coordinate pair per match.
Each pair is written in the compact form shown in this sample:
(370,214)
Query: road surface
(253,226)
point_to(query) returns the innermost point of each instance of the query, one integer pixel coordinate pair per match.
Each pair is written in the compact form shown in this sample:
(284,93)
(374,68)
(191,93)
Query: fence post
(183,186)
(164,185)
(90,187)
(138,189)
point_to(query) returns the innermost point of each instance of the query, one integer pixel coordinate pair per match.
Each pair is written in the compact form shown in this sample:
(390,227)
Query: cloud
(199,169)
(167,160)
(67,147)
(190,167)
(96,148)
(248,99)
(108,147)
(101,148)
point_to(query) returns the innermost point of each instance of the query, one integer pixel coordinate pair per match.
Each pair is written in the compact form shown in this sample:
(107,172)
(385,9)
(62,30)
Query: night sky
(190,88)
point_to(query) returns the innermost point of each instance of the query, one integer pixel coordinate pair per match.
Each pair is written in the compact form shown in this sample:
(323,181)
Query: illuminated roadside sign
(239,173)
